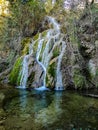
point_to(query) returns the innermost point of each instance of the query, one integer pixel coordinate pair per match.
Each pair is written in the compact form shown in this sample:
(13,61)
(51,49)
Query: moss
(79,79)
(35,48)
(36,37)
(42,50)
(51,75)
(25,45)
(14,75)
(56,52)
(51,69)
(18,78)
(48,6)
(43,34)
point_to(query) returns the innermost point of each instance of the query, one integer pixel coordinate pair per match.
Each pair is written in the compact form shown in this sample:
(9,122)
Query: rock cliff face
(80,64)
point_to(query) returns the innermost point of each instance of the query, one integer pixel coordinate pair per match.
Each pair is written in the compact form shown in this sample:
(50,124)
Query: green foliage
(24,19)
(27,16)
(14,75)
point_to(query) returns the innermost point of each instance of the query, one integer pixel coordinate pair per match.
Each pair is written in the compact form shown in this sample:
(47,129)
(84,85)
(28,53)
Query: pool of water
(34,110)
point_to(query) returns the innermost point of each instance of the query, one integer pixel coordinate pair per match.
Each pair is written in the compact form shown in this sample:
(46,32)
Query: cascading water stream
(59,84)
(53,2)
(41,64)
(24,71)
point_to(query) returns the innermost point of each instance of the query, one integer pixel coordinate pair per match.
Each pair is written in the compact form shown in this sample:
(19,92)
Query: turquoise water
(50,110)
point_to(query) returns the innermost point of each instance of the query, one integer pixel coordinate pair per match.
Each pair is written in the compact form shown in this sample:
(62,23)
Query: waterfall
(52,39)
(56,30)
(24,72)
(59,84)
(53,2)
(25,68)
(40,63)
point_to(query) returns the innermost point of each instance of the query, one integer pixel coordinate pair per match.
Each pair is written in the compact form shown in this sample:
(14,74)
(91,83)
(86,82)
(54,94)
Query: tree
(25,18)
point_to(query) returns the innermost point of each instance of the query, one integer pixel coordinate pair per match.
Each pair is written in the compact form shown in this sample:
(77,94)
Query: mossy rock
(48,6)
(14,77)
(36,37)
(50,78)
(56,52)
(25,45)
(43,34)
(6,94)
(79,79)
(51,69)
(9,93)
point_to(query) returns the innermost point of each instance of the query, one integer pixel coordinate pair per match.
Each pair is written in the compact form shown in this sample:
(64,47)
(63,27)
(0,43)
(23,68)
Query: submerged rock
(6,94)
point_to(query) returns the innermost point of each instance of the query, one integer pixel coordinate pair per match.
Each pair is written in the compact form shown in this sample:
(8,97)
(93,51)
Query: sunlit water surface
(34,110)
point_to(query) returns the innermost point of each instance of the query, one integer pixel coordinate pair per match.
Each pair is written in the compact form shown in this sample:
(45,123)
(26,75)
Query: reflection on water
(23,99)
(51,111)
(57,99)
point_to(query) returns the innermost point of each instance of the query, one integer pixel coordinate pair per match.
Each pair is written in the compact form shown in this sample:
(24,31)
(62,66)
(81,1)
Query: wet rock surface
(36,74)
